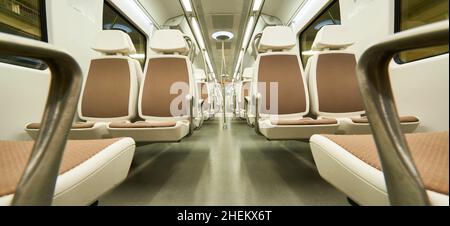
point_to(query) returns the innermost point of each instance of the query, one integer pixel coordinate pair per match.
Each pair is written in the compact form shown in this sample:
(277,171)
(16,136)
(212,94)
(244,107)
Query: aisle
(224,167)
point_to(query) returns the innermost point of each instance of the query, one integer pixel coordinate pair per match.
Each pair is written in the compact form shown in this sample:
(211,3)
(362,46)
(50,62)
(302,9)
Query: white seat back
(168,79)
(110,88)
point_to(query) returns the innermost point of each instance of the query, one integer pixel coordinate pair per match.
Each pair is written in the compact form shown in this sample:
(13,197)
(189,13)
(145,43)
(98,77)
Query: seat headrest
(277,38)
(332,37)
(114,42)
(169,41)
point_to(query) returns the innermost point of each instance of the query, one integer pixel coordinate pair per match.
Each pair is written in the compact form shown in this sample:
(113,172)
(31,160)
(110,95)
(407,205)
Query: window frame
(318,15)
(397,29)
(44,37)
(44,28)
(130,21)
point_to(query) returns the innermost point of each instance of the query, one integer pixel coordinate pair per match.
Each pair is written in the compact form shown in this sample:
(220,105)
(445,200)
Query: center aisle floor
(225,168)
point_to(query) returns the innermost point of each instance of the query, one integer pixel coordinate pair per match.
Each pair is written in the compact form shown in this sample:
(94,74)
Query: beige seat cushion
(403,119)
(142,125)
(78,125)
(430,152)
(14,156)
(303,122)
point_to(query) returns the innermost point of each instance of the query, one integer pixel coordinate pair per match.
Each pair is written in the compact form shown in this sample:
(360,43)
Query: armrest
(37,184)
(373,76)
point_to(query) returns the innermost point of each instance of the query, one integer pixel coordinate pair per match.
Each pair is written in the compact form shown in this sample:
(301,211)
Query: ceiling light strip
(187,5)
(189,13)
(198,33)
(257,5)
(245,42)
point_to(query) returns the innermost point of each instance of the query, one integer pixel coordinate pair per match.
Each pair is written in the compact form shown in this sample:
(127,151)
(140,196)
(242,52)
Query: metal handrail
(37,184)
(404,184)
(192,48)
(255,44)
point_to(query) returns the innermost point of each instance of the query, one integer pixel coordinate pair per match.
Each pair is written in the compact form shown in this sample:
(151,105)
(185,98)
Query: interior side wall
(72,25)
(421,88)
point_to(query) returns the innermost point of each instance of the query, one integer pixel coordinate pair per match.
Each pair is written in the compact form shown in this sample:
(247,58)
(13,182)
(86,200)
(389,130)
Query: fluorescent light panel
(201,42)
(239,62)
(208,61)
(247,36)
(187,5)
(257,5)
(248,32)
(198,33)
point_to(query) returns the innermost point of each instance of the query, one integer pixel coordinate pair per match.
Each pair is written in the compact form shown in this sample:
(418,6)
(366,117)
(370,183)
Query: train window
(330,16)
(24,18)
(415,13)
(113,20)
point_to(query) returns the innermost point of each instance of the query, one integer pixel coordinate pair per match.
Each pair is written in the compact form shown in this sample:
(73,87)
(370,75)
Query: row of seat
(330,86)
(163,104)
(205,92)
(115,96)
(351,162)
(90,168)
(286,103)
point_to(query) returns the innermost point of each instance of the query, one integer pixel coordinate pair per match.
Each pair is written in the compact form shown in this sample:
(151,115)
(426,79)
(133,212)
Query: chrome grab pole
(191,102)
(256,41)
(404,184)
(37,185)
(257,113)
(224,99)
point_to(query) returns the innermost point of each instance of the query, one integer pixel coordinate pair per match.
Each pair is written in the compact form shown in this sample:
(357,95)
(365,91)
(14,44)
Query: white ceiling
(218,15)
(221,15)
(283,9)
(162,10)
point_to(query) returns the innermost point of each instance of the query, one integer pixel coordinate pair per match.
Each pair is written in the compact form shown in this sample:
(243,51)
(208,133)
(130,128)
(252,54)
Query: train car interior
(224,103)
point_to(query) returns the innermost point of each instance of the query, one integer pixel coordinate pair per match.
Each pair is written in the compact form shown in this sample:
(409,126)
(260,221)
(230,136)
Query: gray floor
(224,167)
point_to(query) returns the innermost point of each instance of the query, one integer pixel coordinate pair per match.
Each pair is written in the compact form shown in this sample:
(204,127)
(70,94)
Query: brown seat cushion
(142,125)
(403,119)
(429,151)
(159,79)
(107,89)
(303,122)
(337,83)
(285,71)
(14,156)
(78,125)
